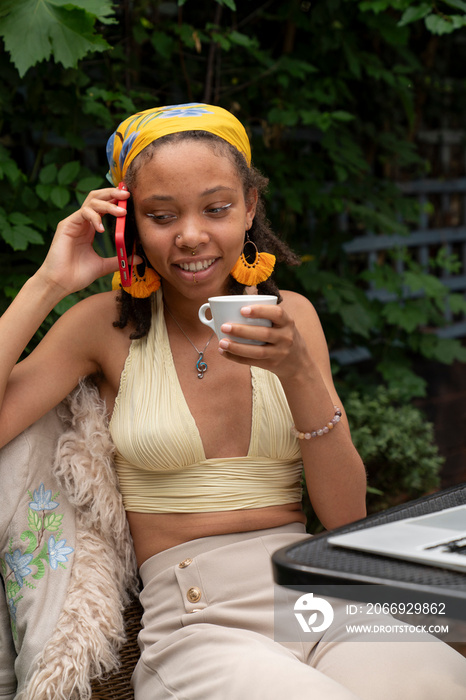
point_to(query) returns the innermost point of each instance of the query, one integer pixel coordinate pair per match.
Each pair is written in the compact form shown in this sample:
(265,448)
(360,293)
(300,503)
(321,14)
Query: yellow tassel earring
(251,274)
(142,286)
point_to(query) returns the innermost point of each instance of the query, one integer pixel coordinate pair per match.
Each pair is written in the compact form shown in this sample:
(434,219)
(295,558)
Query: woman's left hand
(296,351)
(284,351)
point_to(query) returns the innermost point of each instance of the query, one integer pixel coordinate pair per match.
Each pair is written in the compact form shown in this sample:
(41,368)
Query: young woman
(209,461)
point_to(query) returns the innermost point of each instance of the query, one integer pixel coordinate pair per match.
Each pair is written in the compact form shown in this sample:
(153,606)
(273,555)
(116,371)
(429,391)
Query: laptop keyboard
(453,546)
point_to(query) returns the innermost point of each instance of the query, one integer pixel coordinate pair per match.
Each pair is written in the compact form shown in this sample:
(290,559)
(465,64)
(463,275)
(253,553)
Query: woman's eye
(218,210)
(161,217)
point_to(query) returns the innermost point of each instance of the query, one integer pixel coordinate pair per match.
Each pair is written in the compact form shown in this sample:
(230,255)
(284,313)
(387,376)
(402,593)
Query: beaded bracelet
(317,433)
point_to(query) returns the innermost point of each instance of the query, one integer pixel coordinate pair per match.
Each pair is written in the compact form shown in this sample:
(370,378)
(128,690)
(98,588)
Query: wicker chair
(117,686)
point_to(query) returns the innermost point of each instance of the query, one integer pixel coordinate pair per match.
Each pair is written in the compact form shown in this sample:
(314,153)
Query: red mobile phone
(125,273)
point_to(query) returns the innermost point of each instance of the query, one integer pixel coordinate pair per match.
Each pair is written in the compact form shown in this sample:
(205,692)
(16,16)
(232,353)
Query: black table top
(315,562)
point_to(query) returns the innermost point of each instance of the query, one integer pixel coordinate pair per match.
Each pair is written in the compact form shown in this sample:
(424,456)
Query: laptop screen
(449,520)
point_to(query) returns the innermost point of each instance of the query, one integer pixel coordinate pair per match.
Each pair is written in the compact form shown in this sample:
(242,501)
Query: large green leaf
(16,232)
(55,28)
(413,14)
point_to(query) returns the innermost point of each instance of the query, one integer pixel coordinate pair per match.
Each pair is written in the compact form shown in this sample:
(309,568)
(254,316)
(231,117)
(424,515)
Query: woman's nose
(191,235)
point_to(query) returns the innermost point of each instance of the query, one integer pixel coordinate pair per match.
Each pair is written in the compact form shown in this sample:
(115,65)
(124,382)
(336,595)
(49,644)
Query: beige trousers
(208,634)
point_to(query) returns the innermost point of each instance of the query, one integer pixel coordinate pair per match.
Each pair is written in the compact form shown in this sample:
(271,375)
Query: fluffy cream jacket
(101,575)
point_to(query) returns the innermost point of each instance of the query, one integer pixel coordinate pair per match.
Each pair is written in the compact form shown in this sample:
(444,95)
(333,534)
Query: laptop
(437,539)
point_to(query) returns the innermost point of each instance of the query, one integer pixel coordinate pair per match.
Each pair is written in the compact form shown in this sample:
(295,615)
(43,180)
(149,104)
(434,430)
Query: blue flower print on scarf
(22,568)
(190,109)
(57,551)
(42,499)
(110,145)
(18,563)
(127,143)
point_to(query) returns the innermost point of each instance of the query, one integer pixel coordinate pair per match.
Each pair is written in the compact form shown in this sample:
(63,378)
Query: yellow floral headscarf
(141,129)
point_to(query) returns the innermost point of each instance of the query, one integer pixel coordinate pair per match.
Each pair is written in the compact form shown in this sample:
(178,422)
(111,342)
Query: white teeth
(197,266)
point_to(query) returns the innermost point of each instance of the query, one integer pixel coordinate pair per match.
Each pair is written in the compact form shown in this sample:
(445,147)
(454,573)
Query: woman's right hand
(72,263)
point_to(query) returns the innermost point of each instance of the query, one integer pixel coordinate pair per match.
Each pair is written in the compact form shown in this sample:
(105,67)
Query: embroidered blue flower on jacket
(42,499)
(57,551)
(23,568)
(18,563)
(12,608)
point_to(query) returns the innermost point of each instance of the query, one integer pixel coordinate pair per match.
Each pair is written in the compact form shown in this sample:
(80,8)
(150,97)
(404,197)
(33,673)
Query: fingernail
(226,328)
(101,227)
(224,344)
(246,310)
(122,209)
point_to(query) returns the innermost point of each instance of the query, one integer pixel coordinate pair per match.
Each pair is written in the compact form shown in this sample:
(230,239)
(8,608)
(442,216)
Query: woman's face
(189,197)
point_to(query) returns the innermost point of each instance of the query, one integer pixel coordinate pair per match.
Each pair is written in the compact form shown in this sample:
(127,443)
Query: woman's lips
(197,265)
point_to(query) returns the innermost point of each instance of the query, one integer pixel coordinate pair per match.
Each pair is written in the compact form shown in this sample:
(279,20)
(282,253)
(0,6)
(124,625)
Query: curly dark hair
(137,312)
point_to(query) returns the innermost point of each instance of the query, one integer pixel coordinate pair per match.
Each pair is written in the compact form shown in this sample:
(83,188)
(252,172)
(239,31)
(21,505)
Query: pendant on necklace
(201,366)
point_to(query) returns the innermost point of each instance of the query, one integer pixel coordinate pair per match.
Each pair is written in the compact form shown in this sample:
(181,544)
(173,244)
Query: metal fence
(444,226)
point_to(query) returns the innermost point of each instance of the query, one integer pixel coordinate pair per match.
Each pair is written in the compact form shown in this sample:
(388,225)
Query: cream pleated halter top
(160,460)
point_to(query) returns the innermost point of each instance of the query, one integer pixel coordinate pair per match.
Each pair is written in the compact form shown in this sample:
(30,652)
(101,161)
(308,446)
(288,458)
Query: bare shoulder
(87,333)
(299,308)
(90,321)
(95,308)
(81,343)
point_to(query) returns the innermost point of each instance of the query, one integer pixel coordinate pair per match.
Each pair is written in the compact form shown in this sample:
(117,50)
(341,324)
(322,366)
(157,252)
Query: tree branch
(211,58)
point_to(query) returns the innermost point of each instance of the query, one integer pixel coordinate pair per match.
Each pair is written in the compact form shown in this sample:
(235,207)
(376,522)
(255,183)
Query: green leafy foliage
(332,95)
(58,28)
(396,445)
(298,75)
(436,15)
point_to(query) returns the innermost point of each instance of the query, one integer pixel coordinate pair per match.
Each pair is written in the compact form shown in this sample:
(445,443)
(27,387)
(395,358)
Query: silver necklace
(201,366)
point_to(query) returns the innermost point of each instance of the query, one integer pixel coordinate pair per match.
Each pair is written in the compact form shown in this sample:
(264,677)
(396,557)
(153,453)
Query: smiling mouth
(197,266)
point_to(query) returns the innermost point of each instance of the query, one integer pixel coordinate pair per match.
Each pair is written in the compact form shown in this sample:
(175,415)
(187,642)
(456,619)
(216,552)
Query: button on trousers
(208,634)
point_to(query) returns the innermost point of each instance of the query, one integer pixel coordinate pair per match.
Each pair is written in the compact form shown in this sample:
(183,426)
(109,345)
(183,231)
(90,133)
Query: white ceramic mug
(227,310)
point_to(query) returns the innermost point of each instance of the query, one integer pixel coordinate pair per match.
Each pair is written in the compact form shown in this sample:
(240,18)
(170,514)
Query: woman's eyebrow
(158,198)
(213,190)
(169,198)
